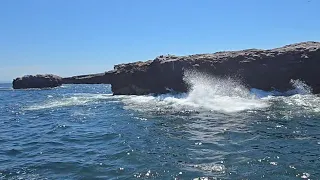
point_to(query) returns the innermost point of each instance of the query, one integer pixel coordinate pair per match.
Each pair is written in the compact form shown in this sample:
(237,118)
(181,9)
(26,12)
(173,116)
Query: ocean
(218,130)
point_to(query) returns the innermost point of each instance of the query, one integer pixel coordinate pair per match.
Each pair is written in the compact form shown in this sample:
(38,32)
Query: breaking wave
(299,87)
(226,95)
(206,93)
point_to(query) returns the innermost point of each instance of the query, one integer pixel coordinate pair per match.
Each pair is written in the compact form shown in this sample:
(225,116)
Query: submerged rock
(262,69)
(37,81)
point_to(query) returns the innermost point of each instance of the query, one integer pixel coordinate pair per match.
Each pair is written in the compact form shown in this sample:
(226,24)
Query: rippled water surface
(218,130)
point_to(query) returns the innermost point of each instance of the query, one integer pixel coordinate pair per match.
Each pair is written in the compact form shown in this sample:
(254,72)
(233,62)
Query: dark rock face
(263,69)
(37,81)
(102,78)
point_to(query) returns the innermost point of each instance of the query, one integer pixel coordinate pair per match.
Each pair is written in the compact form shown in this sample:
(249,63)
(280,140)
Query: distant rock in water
(262,69)
(37,81)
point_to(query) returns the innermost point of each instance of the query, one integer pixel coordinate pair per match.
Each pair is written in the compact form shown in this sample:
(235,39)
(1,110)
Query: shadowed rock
(37,81)
(263,69)
(101,78)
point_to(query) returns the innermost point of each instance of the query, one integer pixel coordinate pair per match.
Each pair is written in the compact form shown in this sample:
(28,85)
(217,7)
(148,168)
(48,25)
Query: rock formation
(101,78)
(263,69)
(37,81)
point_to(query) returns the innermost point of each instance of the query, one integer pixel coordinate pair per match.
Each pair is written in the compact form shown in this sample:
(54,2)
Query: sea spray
(206,93)
(298,101)
(200,82)
(220,94)
(300,87)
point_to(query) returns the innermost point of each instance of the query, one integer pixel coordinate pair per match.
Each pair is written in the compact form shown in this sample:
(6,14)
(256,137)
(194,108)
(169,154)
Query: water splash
(204,83)
(297,101)
(206,93)
(300,87)
(219,94)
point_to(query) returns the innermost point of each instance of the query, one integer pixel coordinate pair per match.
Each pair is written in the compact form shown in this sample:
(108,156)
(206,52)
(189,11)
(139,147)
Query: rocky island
(263,69)
(37,81)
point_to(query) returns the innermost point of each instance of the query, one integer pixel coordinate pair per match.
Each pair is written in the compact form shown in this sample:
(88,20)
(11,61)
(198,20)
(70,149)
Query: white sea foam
(225,95)
(74,100)
(299,87)
(206,93)
(298,103)
(298,100)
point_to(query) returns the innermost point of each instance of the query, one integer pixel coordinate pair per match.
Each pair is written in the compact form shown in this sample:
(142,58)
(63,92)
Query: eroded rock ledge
(101,78)
(263,69)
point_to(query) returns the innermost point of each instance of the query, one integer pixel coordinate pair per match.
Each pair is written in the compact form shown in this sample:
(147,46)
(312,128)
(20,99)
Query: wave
(74,100)
(226,95)
(296,105)
(299,87)
(298,100)
(206,93)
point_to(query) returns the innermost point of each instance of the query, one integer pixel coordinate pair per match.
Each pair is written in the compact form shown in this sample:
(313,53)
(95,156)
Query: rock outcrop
(101,78)
(37,81)
(263,69)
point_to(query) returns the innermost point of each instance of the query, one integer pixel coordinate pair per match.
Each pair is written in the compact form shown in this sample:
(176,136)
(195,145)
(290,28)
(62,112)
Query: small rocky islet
(37,81)
(262,69)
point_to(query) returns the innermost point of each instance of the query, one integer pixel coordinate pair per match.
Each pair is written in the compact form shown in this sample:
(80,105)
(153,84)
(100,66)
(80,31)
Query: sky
(73,37)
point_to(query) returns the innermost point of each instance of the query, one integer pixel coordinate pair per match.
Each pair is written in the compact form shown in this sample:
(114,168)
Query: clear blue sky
(70,37)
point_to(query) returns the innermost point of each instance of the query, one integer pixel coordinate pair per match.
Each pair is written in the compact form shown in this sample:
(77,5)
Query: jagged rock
(37,81)
(262,69)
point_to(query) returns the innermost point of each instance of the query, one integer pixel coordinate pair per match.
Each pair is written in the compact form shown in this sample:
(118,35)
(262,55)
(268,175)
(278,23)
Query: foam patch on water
(225,95)
(298,103)
(74,100)
(211,167)
(206,93)
(297,100)
(299,87)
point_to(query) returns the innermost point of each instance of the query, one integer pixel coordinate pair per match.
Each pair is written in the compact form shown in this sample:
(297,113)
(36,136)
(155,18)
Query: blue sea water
(218,130)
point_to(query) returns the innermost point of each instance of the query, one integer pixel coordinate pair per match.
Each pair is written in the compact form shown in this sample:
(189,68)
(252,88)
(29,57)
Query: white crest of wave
(220,94)
(206,93)
(306,103)
(299,87)
(74,100)
(298,100)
